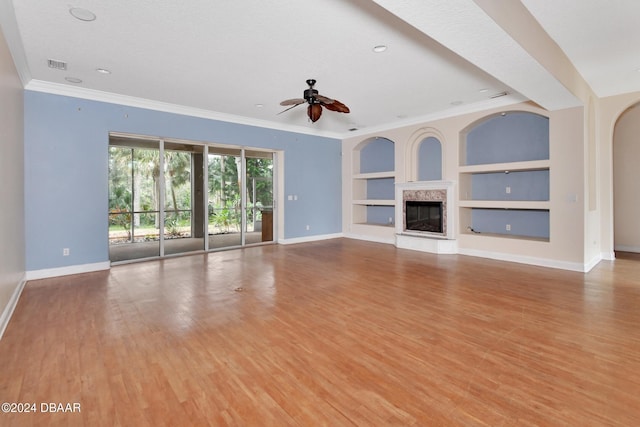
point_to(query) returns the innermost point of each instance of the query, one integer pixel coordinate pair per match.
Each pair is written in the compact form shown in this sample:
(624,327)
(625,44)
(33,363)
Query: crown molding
(460,110)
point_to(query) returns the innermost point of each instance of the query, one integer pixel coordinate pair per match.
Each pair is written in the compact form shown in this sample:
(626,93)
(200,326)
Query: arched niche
(375,155)
(424,156)
(510,136)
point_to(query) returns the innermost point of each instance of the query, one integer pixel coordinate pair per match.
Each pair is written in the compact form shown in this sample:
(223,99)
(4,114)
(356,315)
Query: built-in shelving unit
(373,184)
(504,177)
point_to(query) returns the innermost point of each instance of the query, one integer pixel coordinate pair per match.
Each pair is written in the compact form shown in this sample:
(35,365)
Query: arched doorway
(626,176)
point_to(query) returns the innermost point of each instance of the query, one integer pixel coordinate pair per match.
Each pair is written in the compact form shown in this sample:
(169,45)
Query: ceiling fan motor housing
(310,96)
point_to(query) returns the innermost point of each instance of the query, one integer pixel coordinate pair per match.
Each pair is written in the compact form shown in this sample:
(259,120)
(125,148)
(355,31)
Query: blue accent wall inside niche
(66,151)
(514,137)
(430,160)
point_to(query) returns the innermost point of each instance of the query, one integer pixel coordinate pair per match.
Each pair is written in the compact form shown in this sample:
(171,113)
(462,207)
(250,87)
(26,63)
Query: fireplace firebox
(424,216)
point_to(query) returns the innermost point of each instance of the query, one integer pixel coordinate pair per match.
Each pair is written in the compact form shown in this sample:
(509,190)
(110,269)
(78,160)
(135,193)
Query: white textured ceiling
(219,59)
(600,37)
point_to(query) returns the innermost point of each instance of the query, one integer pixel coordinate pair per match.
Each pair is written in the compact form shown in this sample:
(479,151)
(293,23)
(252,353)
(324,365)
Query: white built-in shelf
(375,202)
(504,167)
(505,204)
(375,175)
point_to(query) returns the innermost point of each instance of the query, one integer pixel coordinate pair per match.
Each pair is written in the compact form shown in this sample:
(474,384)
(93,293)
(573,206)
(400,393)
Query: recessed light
(456,103)
(73,80)
(259,105)
(103,71)
(82,14)
(380,48)
(483,90)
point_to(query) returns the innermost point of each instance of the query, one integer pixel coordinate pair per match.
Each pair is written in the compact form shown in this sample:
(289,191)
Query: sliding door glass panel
(133,199)
(259,186)
(224,209)
(184,198)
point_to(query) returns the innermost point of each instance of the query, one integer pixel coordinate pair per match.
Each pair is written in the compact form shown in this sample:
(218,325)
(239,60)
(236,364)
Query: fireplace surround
(425,216)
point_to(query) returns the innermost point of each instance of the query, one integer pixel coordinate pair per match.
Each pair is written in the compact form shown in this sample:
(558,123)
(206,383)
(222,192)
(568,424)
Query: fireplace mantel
(426,241)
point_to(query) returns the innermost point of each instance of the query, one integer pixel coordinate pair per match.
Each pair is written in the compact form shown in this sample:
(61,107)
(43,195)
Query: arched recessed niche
(511,136)
(424,156)
(430,159)
(376,155)
(504,181)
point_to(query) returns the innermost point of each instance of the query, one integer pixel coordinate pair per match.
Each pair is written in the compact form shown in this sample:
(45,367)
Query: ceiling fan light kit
(316,102)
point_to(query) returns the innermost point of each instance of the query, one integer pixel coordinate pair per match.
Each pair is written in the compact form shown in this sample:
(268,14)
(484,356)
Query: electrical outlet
(508,227)
(308,227)
(508,190)
(65,251)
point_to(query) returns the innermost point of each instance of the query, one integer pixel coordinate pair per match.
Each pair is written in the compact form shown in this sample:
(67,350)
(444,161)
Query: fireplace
(425,209)
(423,216)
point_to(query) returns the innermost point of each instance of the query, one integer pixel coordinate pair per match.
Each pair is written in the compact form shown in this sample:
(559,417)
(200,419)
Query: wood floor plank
(338,333)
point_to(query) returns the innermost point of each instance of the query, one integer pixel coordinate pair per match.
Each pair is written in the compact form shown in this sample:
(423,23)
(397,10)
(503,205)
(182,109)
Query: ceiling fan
(316,102)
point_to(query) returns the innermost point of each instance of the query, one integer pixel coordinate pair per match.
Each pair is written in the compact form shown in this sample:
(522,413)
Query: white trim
(625,248)
(131,101)
(309,238)
(427,244)
(596,259)
(5,317)
(609,256)
(65,271)
(542,262)
(387,240)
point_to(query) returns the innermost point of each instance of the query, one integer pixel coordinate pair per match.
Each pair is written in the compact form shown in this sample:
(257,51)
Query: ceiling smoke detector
(57,65)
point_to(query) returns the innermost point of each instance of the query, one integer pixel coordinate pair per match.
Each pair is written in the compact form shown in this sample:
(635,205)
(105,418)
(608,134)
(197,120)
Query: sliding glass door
(225,198)
(134,188)
(259,197)
(183,198)
(212,197)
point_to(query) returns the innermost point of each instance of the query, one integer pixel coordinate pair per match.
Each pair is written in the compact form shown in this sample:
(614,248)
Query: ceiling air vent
(57,65)
(498,95)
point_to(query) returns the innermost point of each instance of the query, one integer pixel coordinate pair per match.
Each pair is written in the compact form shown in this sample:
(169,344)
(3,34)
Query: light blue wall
(377,156)
(524,185)
(66,147)
(517,136)
(430,160)
(527,223)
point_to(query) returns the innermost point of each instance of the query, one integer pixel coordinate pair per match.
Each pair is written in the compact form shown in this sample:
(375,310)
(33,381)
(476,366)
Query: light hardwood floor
(337,332)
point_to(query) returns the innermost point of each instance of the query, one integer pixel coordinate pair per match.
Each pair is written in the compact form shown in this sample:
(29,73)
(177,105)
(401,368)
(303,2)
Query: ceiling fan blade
(295,101)
(314,111)
(337,106)
(303,101)
(325,99)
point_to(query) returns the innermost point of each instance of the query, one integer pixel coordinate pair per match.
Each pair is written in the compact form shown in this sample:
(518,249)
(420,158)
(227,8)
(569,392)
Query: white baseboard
(596,259)
(65,271)
(5,317)
(309,238)
(376,239)
(624,248)
(541,262)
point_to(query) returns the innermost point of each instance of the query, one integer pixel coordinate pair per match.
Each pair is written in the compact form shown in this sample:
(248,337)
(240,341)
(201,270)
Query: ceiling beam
(466,29)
